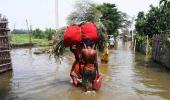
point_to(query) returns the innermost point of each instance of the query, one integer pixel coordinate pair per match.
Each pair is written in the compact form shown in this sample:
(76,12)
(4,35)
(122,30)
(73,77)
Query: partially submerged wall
(161,49)
(5,58)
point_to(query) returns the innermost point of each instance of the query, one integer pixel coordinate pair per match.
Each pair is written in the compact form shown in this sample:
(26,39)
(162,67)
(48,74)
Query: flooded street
(127,76)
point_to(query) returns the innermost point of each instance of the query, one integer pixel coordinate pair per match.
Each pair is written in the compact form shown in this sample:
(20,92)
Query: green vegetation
(38,37)
(37,33)
(19,38)
(106,14)
(156,21)
(84,11)
(40,34)
(106,17)
(24,38)
(110,17)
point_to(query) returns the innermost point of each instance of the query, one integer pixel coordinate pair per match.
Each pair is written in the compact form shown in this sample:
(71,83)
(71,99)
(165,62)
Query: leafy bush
(139,39)
(37,33)
(48,33)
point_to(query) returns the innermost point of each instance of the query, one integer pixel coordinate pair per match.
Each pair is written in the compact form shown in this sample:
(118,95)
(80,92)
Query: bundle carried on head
(58,43)
(75,34)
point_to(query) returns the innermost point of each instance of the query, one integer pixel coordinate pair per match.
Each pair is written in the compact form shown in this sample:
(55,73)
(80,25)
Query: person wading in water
(90,69)
(76,71)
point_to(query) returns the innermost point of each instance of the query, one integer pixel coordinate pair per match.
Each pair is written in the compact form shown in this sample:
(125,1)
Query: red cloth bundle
(89,32)
(75,34)
(72,35)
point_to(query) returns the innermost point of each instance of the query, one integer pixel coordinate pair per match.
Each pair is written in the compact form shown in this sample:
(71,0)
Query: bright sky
(41,13)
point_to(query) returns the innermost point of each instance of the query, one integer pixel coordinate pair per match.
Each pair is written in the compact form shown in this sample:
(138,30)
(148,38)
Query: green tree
(164,4)
(37,33)
(84,11)
(126,20)
(49,33)
(141,23)
(111,17)
(156,21)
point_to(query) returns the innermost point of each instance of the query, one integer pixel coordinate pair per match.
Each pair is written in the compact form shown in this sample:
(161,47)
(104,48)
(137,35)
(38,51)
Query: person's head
(89,43)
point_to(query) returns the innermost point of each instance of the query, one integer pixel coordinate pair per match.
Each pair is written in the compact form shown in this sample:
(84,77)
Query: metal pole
(56,15)
(147,45)
(30,41)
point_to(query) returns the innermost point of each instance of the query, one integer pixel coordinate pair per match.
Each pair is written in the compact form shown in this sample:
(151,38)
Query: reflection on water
(5,84)
(153,81)
(127,76)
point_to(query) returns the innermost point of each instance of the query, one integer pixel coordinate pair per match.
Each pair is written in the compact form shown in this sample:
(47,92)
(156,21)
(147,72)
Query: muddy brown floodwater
(127,76)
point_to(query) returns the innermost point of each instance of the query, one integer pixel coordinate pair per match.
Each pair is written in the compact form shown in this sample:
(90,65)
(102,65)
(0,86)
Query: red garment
(76,69)
(89,67)
(76,73)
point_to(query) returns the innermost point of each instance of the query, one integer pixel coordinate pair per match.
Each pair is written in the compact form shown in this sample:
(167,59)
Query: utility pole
(14,26)
(56,15)
(133,19)
(29,30)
